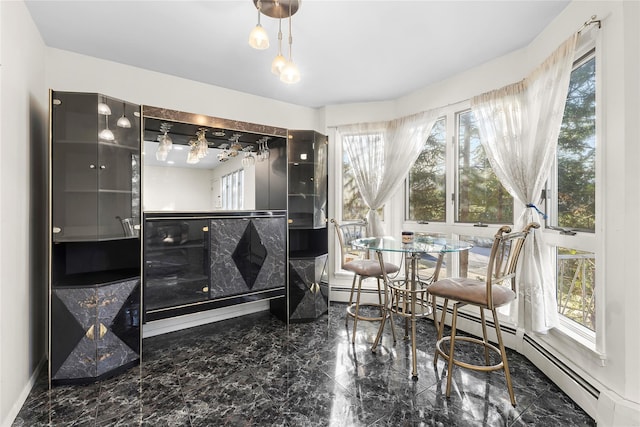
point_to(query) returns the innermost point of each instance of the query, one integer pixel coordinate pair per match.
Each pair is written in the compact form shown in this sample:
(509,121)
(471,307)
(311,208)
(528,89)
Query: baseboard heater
(540,349)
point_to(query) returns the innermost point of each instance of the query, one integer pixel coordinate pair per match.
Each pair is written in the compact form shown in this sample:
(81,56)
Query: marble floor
(253,371)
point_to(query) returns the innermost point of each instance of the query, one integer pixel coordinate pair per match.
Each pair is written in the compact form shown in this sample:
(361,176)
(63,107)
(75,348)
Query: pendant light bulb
(258,38)
(290,73)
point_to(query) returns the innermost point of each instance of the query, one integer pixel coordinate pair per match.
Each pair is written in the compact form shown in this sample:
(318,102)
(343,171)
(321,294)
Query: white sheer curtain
(519,126)
(381,155)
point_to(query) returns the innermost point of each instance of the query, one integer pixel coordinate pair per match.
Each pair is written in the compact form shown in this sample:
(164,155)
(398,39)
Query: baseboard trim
(24,393)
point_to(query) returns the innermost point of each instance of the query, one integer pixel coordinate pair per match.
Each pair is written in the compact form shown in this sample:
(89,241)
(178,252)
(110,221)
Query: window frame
(580,239)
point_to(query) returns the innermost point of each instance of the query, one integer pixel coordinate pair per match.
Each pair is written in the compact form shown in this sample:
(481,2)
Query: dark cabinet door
(95,330)
(307,179)
(176,258)
(95,167)
(247,255)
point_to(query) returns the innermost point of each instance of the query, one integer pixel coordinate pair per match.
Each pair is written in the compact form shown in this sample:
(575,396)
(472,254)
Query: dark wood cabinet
(94,244)
(308,289)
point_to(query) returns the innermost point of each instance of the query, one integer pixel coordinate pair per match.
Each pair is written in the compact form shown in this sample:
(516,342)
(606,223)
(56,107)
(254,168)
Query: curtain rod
(592,21)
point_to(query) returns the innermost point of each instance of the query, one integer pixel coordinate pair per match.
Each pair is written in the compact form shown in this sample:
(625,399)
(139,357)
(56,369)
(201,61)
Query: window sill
(571,342)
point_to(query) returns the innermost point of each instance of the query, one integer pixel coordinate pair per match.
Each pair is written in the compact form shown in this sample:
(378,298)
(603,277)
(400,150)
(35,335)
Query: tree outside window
(427,179)
(481,197)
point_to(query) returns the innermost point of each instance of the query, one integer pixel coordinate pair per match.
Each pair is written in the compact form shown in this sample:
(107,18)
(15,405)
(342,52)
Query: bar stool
(496,290)
(357,262)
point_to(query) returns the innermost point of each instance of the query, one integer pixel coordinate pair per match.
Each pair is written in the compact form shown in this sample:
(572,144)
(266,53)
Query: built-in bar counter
(196,261)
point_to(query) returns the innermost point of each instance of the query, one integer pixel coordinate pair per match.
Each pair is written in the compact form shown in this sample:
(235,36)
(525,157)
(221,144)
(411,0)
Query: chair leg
(484,336)
(452,343)
(357,310)
(445,305)
(503,354)
(388,304)
(353,285)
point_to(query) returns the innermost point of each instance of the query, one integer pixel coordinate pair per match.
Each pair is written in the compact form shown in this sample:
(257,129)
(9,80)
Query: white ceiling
(347,51)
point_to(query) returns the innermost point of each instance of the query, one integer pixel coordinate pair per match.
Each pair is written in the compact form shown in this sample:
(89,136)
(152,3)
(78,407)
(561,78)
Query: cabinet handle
(103,167)
(102,330)
(92,166)
(56,230)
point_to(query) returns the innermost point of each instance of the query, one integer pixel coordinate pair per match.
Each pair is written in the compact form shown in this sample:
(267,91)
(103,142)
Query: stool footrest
(352,307)
(481,368)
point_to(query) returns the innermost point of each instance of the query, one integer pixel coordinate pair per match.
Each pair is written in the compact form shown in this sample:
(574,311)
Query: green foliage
(576,152)
(427,196)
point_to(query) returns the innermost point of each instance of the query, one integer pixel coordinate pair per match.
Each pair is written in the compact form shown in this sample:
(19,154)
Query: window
(233,190)
(426,192)
(571,203)
(480,196)
(576,152)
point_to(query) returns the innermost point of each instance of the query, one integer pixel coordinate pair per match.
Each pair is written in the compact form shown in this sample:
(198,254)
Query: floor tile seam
(520,414)
(182,395)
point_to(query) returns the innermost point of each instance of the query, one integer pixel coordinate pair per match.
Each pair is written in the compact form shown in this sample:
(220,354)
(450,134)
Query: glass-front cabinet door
(95,146)
(307,179)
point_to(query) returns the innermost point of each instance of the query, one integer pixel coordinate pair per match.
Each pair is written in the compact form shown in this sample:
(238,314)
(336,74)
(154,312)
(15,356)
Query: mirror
(186,166)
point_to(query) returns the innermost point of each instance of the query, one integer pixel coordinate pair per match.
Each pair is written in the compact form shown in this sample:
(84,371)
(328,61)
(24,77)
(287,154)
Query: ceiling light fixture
(279,9)
(290,73)
(258,38)
(279,61)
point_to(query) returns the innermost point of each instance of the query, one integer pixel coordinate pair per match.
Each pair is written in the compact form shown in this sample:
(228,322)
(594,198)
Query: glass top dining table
(408,296)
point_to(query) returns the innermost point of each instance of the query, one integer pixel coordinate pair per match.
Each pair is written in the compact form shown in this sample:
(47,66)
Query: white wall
(68,71)
(23,170)
(176,189)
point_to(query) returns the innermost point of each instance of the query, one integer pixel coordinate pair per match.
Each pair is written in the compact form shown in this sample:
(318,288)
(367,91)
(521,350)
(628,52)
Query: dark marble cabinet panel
(247,255)
(308,288)
(195,262)
(97,330)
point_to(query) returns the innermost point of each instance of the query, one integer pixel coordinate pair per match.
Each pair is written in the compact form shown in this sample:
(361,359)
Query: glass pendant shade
(278,64)
(258,38)
(106,135)
(123,121)
(104,109)
(290,73)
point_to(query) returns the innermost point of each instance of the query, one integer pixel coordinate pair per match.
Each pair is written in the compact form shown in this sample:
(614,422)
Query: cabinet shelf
(100,143)
(99,190)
